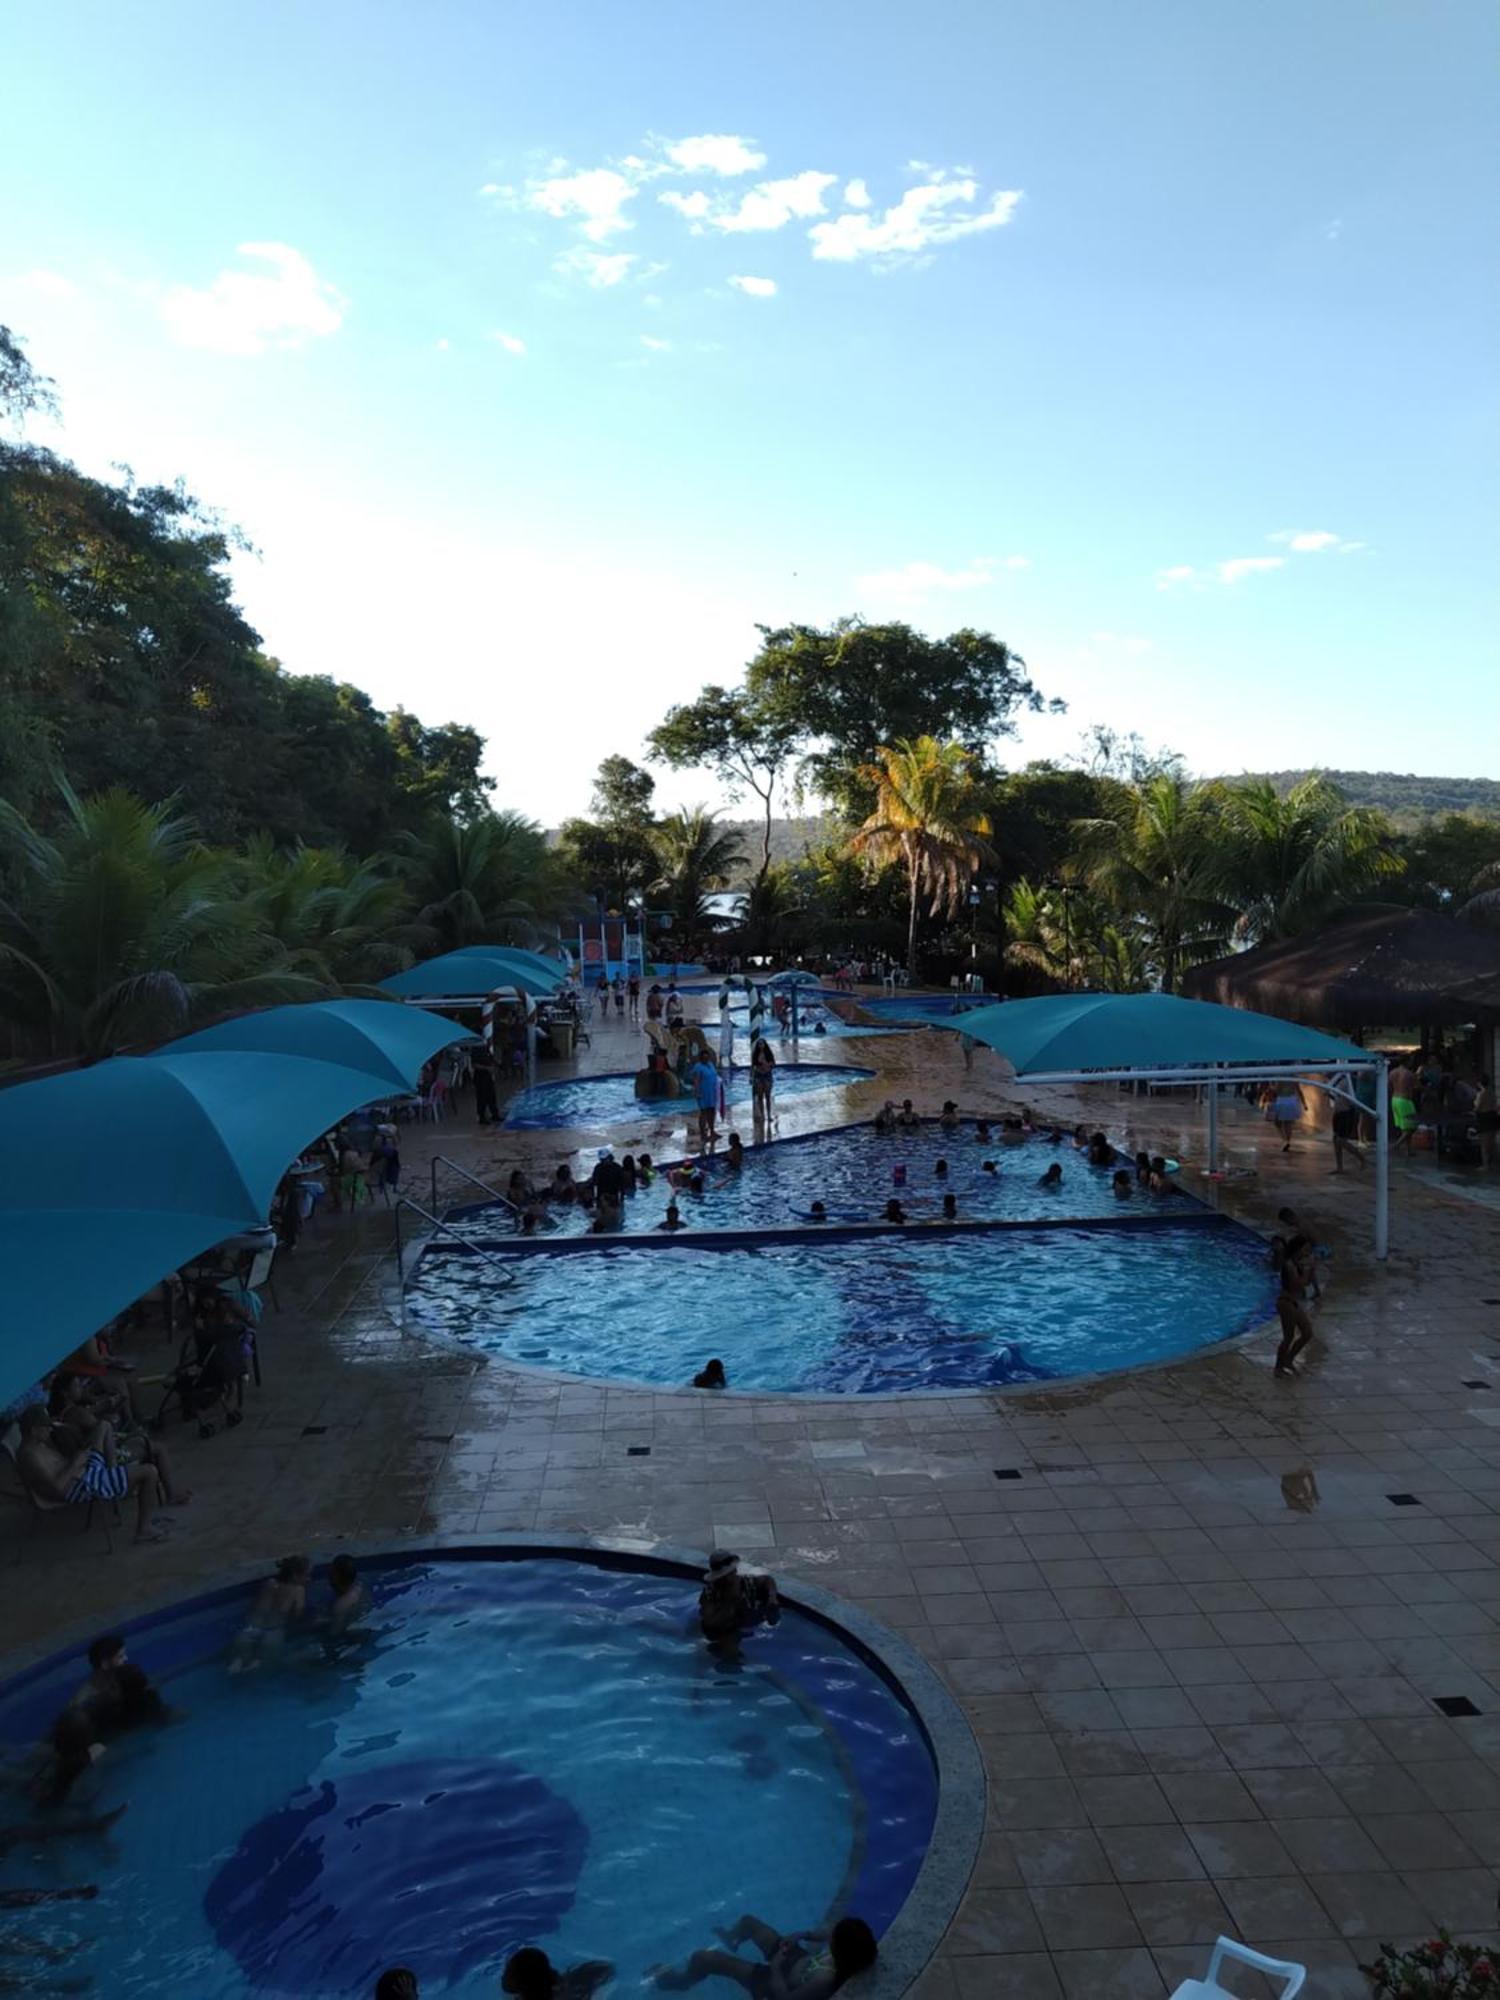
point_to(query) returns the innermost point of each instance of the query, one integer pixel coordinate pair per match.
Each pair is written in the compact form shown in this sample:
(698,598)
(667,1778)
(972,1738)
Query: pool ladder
(439,1225)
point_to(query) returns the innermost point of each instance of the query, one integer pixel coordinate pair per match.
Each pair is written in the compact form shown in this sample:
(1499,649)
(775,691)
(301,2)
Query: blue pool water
(915,1310)
(854,1173)
(924,1006)
(527,1752)
(611,1100)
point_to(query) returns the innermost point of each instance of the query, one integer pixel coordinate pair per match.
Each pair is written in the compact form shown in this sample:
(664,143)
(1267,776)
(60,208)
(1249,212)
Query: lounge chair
(1208,1987)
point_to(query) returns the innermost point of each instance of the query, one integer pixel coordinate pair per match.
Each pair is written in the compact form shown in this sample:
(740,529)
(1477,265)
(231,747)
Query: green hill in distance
(1406,798)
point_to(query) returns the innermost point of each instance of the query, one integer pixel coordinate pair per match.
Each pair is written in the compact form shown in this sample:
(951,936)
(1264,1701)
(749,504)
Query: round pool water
(512,1752)
(854,1172)
(611,1099)
(924,1007)
(879,1312)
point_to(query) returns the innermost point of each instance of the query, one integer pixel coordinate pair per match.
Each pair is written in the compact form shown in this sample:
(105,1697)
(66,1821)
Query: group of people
(792,1965)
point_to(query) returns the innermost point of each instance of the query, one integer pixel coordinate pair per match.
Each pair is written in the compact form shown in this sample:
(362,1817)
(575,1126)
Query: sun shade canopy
(472,972)
(1069,1033)
(389,1041)
(114,1176)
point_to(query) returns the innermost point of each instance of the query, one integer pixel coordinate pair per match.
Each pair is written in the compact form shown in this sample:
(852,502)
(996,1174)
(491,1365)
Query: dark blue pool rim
(924,1917)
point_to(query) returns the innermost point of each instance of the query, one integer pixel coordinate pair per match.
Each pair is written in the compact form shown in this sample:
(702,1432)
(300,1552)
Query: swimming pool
(857,1315)
(924,1006)
(526,1751)
(854,1172)
(611,1099)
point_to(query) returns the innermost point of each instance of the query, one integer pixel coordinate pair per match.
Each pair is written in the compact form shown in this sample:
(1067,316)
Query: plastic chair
(1208,1987)
(36,1505)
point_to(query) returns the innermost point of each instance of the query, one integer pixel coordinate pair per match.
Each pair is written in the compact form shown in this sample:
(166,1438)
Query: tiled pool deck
(1198,1640)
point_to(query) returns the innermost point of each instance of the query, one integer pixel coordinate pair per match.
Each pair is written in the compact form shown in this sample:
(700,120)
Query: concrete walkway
(1200,1638)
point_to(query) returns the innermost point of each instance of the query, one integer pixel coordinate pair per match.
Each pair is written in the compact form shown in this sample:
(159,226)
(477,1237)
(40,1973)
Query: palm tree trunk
(765,847)
(911,920)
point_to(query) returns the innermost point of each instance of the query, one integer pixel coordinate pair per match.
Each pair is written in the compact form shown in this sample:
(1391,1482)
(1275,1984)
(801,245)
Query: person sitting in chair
(95,1472)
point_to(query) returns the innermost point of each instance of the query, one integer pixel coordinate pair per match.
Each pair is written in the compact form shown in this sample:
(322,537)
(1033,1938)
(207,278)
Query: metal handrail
(442,1159)
(436,1222)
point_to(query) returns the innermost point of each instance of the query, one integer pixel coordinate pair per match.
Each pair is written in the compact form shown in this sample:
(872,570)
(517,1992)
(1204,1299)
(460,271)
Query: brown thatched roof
(1373,968)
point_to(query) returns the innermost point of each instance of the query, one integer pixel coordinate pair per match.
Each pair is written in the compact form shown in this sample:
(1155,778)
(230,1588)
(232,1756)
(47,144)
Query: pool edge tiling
(918,1925)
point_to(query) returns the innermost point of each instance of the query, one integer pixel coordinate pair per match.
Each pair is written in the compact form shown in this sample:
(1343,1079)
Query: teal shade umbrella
(1069,1032)
(388,1041)
(469,974)
(112,1177)
(554,968)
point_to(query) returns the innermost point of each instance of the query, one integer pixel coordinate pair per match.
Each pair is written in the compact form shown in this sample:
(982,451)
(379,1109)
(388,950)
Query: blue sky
(572,341)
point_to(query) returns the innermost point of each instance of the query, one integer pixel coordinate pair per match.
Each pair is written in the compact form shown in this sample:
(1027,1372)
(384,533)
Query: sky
(543,351)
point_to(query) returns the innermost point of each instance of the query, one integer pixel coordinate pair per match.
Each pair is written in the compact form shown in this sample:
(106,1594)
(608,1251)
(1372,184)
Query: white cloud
(935,213)
(595,267)
(442,346)
(694,206)
(595,198)
(496,187)
(650,340)
(715,153)
(755,288)
(282,304)
(1242,566)
(773,204)
(1018,562)
(511,342)
(1313,541)
(923,579)
(1178,573)
(856,195)
(49,284)
(1127,643)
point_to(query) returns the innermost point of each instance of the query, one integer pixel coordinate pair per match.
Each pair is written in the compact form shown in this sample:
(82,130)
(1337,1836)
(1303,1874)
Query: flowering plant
(1436,1970)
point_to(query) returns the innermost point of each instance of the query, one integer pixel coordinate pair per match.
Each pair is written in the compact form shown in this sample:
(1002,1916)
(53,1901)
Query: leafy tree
(1445,860)
(22,390)
(748,742)
(855,687)
(123,927)
(927,817)
(337,920)
(613,853)
(1154,862)
(696,856)
(1287,858)
(481,881)
(1066,938)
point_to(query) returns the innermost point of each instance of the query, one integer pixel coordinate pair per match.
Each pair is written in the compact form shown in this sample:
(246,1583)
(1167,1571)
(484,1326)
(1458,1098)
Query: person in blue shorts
(704,1078)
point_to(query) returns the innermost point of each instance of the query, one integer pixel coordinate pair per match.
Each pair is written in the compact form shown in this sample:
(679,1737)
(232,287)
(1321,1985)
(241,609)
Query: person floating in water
(279,1604)
(1121,1183)
(734,1599)
(800,1965)
(711,1376)
(1053,1178)
(989,1167)
(530,1975)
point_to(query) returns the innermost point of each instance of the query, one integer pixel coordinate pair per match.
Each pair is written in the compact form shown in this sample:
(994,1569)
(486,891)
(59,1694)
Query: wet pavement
(1201,1620)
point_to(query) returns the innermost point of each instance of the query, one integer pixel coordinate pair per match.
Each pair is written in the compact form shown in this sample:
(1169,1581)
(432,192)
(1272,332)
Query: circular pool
(529,1750)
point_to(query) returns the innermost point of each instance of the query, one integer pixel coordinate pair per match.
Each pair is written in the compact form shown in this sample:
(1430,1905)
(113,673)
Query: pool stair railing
(439,1226)
(442,1160)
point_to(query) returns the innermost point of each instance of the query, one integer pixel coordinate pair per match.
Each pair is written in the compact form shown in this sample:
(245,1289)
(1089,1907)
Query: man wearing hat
(735,1596)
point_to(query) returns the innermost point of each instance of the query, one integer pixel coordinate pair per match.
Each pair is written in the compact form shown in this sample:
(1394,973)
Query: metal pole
(1213,1123)
(400,1258)
(1382,1163)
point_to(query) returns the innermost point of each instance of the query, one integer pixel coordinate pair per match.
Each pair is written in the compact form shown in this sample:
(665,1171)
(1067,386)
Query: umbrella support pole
(1382,1163)
(1213,1124)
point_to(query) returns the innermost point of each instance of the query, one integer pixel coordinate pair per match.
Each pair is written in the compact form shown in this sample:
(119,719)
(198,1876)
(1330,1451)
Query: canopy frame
(1321,1076)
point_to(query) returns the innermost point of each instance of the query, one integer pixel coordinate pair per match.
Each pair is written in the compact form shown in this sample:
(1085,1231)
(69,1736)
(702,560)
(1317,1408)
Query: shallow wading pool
(527,1751)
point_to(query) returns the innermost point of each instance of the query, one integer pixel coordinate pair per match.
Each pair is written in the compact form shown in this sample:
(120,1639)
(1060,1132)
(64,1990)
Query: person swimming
(908,1119)
(1121,1183)
(645,1173)
(817,1213)
(673,1217)
(988,1167)
(1101,1152)
(982,1131)
(711,1376)
(1143,1168)
(894,1212)
(350,1599)
(1053,1178)
(949,1119)
(804,1965)
(734,1157)
(950,1207)
(1156,1178)
(280,1602)
(941,1169)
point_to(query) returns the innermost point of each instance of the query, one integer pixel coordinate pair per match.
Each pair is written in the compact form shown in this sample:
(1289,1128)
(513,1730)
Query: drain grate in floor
(1473,1385)
(435,1437)
(1007,1472)
(1455,1704)
(1403,1499)
(638,1451)
(314,1430)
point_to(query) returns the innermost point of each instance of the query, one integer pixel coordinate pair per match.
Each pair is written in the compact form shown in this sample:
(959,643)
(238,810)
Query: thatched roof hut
(1375,967)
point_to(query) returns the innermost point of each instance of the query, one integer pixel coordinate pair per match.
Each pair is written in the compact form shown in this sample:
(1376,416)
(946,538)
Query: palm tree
(1289,858)
(927,817)
(123,927)
(695,856)
(482,881)
(342,921)
(1156,864)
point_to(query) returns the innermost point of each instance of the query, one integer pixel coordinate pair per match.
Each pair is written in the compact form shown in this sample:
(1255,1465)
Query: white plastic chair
(1208,1987)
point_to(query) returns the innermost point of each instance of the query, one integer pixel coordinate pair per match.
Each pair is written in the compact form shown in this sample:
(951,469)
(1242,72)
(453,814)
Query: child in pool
(1053,1178)
(350,1598)
(280,1602)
